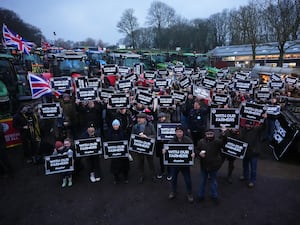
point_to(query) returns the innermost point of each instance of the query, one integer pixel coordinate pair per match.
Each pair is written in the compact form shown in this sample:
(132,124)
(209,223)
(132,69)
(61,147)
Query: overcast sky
(77,20)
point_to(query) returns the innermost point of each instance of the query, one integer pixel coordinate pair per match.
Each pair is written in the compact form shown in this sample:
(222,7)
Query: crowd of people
(85,119)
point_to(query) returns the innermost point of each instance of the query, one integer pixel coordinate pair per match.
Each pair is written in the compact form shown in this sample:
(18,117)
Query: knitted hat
(58,144)
(115,123)
(179,127)
(161,114)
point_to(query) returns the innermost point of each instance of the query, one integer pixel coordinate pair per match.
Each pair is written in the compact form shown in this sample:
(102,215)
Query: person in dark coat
(250,134)
(5,167)
(209,151)
(197,121)
(143,128)
(93,161)
(119,166)
(181,138)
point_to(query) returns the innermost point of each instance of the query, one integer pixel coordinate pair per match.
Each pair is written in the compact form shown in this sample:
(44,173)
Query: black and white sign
(252,111)
(276,84)
(124,70)
(275,77)
(208,82)
(241,76)
(185,82)
(141,144)
(88,146)
(81,82)
(220,117)
(201,92)
(163,72)
(179,96)
(263,95)
(165,101)
(115,149)
(166,131)
(94,82)
(138,68)
(119,101)
(243,85)
(235,148)
(50,110)
(131,76)
(150,75)
(220,99)
(106,93)
(110,69)
(58,164)
(178,69)
(123,85)
(161,83)
(220,85)
(188,71)
(179,154)
(61,84)
(144,98)
(86,94)
(291,80)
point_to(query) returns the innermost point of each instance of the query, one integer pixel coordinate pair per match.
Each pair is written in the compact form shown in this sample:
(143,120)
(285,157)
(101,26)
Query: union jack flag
(39,86)
(12,39)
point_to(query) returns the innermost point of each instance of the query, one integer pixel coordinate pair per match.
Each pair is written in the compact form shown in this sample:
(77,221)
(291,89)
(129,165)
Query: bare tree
(128,25)
(283,18)
(160,16)
(219,26)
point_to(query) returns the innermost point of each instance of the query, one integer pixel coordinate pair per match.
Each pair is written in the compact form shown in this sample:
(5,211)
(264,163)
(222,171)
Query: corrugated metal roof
(261,49)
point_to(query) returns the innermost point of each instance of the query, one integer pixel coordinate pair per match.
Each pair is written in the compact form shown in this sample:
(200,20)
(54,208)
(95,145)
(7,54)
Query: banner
(161,83)
(284,134)
(178,154)
(141,144)
(110,69)
(94,82)
(106,93)
(185,82)
(150,75)
(115,149)
(87,147)
(179,96)
(243,85)
(235,148)
(11,135)
(58,164)
(124,85)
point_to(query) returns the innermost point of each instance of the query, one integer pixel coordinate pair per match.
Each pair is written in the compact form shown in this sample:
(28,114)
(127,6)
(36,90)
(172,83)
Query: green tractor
(8,86)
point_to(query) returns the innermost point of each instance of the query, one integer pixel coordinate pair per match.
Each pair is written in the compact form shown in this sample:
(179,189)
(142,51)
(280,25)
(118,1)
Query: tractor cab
(67,63)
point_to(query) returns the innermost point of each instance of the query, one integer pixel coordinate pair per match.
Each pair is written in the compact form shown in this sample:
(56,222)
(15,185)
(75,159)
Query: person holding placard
(60,149)
(209,151)
(143,128)
(118,166)
(181,138)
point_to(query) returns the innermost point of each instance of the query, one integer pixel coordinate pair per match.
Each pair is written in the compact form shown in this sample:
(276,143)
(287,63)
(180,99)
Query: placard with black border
(165,101)
(179,96)
(252,111)
(115,149)
(142,145)
(220,99)
(88,147)
(123,85)
(61,84)
(235,148)
(119,101)
(58,164)
(166,131)
(94,82)
(178,154)
(242,85)
(220,117)
(185,82)
(161,83)
(201,92)
(150,75)
(81,82)
(50,110)
(106,93)
(86,94)
(110,69)
(144,98)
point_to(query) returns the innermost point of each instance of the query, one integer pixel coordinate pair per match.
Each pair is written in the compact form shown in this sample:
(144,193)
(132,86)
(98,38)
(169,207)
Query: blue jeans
(185,170)
(213,183)
(250,168)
